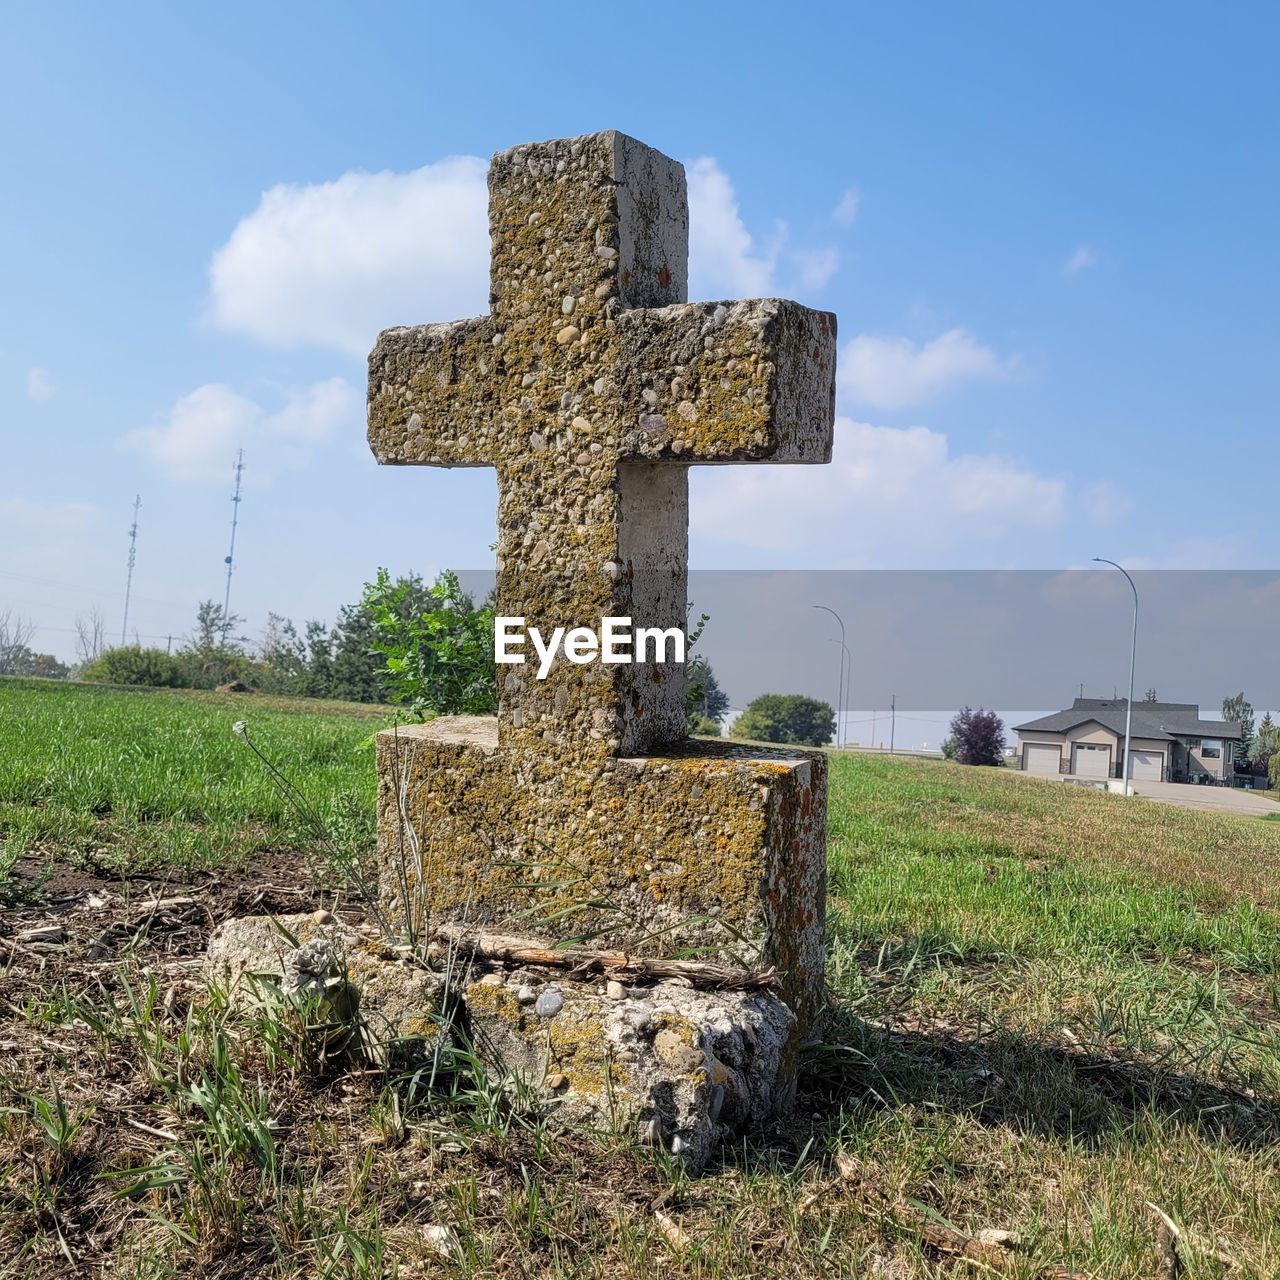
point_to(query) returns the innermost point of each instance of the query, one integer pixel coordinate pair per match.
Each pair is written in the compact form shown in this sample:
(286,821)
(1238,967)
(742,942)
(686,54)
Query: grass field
(1052,1009)
(129,780)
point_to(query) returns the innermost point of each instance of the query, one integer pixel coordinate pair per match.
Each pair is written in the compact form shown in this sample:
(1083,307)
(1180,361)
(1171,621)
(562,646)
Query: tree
(1237,710)
(90,636)
(949,747)
(979,737)
(786,717)
(132,664)
(355,664)
(213,628)
(44,666)
(207,661)
(1274,771)
(15,635)
(703,727)
(438,650)
(704,699)
(1266,745)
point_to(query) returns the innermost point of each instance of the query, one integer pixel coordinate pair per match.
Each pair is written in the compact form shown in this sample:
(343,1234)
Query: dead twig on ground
(584,960)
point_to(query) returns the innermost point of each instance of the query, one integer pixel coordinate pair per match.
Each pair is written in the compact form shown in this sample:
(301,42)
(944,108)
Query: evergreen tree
(1238,710)
(1266,744)
(356,665)
(703,696)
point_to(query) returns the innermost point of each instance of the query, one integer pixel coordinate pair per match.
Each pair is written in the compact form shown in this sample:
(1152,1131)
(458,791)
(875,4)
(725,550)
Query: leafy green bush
(704,726)
(438,646)
(133,664)
(786,717)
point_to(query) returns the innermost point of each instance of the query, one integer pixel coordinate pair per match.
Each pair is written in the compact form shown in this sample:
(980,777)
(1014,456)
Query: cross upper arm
(715,382)
(432,395)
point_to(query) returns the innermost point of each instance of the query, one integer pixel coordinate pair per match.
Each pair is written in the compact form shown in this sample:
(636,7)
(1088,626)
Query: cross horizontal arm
(715,382)
(433,394)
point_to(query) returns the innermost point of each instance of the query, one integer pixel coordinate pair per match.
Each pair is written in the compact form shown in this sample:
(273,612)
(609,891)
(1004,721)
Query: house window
(1212,749)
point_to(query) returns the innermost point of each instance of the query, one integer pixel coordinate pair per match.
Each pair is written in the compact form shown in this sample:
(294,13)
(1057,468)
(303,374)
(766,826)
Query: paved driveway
(1213,799)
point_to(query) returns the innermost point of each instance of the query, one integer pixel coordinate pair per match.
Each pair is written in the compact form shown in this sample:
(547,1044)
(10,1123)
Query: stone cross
(592,386)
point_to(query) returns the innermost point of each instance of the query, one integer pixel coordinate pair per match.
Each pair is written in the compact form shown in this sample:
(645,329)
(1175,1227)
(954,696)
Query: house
(1169,742)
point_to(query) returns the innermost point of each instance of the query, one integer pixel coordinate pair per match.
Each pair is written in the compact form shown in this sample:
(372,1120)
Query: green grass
(122,779)
(1050,1007)
(995,864)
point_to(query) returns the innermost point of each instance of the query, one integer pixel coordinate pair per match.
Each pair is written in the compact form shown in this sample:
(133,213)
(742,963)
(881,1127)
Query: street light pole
(1133,662)
(840,695)
(848,682)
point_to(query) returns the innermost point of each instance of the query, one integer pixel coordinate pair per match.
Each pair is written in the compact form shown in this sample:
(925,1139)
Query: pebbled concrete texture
(402,1006)
(711,846)
(591,387)
(672,1066)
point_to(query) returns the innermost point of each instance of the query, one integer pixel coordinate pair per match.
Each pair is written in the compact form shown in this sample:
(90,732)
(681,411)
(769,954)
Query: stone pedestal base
(674,1066)
(670,1065)
(713,848)
(402,1008)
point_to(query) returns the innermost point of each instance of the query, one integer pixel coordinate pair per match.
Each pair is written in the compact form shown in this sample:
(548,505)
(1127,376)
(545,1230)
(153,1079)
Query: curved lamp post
(845,656)
(1133,661)
(840,695)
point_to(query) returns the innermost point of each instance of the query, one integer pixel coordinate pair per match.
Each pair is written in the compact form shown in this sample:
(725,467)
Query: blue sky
(1049,234)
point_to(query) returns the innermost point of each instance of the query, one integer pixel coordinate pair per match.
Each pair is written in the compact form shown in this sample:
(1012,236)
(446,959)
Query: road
(1211,799)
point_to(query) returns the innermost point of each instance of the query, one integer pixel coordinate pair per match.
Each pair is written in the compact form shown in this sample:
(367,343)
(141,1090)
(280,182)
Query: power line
(71,586)
(72,631)
(133,556)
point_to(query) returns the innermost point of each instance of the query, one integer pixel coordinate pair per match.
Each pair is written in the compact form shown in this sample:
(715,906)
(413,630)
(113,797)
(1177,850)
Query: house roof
(1160,720)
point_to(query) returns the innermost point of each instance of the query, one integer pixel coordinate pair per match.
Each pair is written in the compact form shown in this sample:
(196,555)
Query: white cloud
(892,373)
(332,263)
(847,209)
(816,266)
(22,514)
(889,493)
(40,385)
(1081,260)
(1106,502)
(204,428)
(724,260)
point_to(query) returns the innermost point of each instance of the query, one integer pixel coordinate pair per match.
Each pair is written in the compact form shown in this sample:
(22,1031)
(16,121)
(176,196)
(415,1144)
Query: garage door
(1146,764)
(1042,759)
(1090,761)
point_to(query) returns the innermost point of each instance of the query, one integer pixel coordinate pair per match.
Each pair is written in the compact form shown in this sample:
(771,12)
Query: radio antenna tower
(235,520)
(133,557)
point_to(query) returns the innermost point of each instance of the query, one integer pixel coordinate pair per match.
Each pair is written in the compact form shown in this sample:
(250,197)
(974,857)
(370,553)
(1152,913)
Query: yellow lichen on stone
(580,1049)
(591,387)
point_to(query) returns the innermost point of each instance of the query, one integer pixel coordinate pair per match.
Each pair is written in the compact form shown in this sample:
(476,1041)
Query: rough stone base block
(402,1006)
(712,845)
(673,1066)
(676,1067)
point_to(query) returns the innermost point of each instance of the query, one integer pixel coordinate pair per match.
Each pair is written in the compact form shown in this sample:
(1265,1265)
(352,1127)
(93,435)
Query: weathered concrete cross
(591,387)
